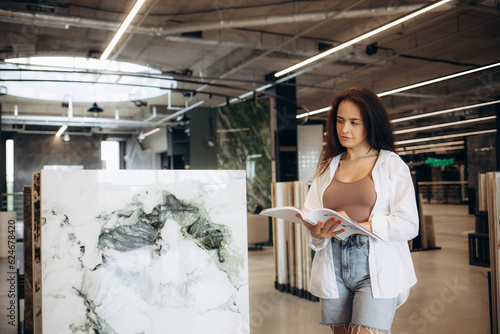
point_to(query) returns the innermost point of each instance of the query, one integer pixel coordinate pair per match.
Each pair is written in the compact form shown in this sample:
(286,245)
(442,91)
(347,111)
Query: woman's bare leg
(340,329)
(363,330)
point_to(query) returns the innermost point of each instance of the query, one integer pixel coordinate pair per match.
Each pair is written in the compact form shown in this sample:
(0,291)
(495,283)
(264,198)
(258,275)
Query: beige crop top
(355,198)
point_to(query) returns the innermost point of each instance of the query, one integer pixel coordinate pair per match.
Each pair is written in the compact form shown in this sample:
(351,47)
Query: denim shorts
(356,304)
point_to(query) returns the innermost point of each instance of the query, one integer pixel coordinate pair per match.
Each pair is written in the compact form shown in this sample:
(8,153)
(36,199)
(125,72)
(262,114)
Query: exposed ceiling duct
(67,21)
(95,122)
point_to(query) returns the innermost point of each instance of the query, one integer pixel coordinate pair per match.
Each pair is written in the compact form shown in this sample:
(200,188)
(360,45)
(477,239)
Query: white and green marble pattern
(144,252)
(244,142)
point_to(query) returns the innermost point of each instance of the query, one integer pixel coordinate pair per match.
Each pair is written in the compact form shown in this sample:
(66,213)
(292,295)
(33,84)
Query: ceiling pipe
(95,122)
(65,21)
(180,112)
(153,116)
(62,22)
(292,18)
(49,133)
(93,131)
(70,107)
(78,121)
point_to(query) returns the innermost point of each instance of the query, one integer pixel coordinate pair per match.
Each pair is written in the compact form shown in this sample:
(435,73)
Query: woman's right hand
(323,229)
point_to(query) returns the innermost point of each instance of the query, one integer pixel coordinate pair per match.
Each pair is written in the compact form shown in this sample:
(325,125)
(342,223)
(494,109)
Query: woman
(361,281)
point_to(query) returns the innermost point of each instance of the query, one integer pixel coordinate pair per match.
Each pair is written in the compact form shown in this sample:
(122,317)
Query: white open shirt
(394,218)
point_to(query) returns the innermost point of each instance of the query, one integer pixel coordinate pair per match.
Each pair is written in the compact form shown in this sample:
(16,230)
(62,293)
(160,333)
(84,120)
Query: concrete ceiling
(220,49)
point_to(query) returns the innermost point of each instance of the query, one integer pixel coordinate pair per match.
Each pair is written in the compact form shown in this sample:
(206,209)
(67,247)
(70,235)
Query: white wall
(146,155)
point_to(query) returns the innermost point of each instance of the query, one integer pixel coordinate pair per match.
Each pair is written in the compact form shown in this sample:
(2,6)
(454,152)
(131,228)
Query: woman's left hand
(367,225)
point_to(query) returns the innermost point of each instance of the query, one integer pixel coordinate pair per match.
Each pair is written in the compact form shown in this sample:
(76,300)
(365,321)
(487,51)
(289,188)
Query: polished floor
(450,297)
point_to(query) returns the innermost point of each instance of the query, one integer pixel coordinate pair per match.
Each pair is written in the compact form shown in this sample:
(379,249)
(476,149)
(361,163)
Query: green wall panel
(244,142)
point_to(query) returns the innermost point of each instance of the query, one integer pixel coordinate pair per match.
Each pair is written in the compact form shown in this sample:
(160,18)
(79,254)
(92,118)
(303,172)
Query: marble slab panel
(144,252)
(37,252)
(244,142)
(9,260)
(29,291)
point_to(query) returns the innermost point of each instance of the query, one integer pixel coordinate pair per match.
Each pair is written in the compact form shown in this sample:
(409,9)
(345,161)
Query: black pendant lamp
(94,108)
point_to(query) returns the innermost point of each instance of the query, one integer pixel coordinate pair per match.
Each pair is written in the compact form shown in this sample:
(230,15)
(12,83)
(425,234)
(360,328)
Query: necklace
(359,158)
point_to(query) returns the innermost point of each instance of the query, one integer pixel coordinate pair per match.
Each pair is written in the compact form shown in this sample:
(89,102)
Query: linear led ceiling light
(464,134)
(434,113)
(248,94)
(431,147)
(419,147)
(61,130)
(420,84)
(359,38)
(149,133)
(443,125)
(314,112)
(442,149)
(429,82)
(122,29)
(437,148)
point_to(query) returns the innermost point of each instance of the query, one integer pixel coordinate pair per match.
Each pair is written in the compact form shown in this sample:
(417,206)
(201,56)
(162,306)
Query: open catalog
(319,215)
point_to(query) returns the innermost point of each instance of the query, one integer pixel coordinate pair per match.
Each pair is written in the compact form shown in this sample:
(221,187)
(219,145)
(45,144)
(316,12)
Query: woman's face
(350,128)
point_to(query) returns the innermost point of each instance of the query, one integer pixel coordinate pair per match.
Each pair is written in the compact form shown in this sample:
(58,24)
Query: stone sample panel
(144,251)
